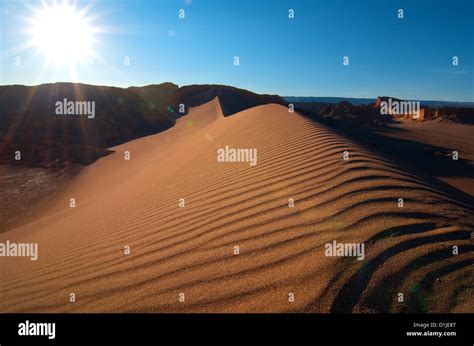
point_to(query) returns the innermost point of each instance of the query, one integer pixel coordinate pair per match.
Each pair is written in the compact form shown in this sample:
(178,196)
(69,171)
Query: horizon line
(237,87)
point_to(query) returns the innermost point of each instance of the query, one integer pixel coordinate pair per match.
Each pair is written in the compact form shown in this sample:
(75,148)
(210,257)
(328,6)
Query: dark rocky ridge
(232,100)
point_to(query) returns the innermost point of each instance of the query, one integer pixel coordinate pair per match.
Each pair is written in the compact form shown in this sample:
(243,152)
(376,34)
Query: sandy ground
(448,136)
(190,250)
(25,189)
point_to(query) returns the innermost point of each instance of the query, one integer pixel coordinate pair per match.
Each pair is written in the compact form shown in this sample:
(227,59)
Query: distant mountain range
(366,101)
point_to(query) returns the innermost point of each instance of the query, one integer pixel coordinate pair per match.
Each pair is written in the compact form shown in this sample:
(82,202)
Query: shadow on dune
(424,160)
(350,293)
(384,295)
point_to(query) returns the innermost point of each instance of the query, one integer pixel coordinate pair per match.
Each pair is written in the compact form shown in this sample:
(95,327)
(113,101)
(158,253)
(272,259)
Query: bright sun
(62,33)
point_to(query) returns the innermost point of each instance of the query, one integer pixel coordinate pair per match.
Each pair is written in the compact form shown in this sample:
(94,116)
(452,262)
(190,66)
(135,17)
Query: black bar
(258,329)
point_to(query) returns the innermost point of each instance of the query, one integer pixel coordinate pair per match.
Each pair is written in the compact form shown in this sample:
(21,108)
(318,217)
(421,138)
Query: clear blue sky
(408,58)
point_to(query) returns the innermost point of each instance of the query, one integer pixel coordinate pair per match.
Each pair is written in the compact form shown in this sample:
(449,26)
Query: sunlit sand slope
(184,259)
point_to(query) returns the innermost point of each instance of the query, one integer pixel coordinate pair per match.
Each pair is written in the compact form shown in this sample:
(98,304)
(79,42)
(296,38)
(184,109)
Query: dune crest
(191,250)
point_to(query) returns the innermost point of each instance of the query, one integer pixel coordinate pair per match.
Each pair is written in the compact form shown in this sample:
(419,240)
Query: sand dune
(190,250)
